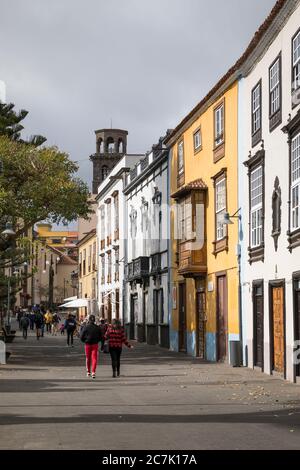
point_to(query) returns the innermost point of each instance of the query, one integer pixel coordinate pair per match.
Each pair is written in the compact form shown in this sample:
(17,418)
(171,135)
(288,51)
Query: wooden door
(200,306)
(133,316)
(221,318)
(297,319)
(182,317)
(258,325)
(278,328)
(117,304)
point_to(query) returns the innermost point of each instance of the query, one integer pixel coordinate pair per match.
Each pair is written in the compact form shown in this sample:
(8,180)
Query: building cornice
(148,171)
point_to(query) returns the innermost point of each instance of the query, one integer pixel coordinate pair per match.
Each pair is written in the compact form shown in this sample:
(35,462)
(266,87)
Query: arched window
(100,148)
(110,145)
(120,146)
(104,172)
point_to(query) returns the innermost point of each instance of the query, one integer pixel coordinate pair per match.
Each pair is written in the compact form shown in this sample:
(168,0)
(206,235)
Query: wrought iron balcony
(138,269)
(156,263)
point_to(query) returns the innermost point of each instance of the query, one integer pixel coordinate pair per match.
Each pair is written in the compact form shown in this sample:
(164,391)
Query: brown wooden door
(200,305)
(221,318)
(182,317)
(278,328)
(297,317)
(117,304)
(133,316)
(258,325)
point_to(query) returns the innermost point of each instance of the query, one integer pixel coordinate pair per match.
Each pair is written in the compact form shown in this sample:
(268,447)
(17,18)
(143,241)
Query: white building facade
(147,274)
(111,238)
(269,196)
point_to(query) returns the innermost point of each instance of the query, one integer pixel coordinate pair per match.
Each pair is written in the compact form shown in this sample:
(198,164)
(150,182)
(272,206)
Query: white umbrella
(76,303)
(70,298)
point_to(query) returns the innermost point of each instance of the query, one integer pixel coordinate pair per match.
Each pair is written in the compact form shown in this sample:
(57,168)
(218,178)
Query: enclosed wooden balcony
(192,262)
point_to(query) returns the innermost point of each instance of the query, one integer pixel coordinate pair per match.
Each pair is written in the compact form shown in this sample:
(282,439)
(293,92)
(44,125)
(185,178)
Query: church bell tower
(111,145)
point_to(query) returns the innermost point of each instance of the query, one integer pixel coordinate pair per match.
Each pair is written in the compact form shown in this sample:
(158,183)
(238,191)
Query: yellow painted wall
(201,165)
(87,280)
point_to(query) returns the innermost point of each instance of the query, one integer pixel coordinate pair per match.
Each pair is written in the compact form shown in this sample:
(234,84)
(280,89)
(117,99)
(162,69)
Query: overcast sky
(77,64)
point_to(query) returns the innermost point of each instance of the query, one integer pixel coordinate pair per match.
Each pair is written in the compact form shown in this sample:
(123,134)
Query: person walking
(115,336)
(48,319)
(91,336)
(38,324)
(31,320)
(70,327)
(55,322)
(20,315)
(103,328)
(24,324)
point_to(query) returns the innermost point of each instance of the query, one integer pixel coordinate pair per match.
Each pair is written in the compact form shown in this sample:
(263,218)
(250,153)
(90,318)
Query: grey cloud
(76,64)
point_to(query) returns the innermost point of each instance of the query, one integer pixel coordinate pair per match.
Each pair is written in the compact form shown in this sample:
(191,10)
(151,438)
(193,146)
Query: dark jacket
(38,320)
(24,322)
(70,324)
(91,334)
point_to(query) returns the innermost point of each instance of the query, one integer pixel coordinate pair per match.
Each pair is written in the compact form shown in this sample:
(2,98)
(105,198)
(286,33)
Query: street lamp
(227,217)
(8,232)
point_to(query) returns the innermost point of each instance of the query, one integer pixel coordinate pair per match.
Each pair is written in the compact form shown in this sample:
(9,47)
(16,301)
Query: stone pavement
(162,400)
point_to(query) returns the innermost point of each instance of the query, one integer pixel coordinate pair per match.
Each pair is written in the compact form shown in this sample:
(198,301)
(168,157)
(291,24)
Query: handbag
(106,347)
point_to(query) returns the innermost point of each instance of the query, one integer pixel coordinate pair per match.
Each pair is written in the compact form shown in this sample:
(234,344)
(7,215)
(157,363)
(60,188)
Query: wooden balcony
(192,262)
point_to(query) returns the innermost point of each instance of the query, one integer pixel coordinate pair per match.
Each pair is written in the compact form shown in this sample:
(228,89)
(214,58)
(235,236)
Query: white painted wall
(147,240)
(105,191)
(280,264)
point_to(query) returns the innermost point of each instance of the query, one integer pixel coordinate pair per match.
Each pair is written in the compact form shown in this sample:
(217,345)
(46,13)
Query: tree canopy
(38,184)
(10,125)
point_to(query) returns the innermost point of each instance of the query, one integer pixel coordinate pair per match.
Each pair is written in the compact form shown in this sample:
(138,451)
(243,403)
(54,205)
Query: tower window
(110,145)
(104,172)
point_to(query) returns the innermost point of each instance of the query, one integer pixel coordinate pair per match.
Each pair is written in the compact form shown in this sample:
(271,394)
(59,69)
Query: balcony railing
(133,173)
(138,269)
(144,163)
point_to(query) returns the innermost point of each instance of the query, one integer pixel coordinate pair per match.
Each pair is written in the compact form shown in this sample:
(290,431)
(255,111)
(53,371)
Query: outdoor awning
(76,303)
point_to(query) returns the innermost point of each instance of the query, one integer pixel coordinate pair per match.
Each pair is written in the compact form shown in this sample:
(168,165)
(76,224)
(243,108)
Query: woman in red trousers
(91,335)
(116,338)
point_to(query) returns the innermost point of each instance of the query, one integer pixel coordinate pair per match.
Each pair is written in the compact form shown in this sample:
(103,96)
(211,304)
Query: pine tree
(10,125)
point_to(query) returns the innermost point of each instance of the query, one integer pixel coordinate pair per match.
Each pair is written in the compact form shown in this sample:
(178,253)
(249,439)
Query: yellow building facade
(87,247)
(204,271)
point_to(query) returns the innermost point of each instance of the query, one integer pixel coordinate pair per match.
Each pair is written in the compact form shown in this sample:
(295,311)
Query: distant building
(146,312)
(111,236)
(87,273)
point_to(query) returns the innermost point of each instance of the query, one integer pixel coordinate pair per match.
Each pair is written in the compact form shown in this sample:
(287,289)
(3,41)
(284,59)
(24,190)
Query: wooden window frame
(295,91)
(222,244)
(199,148)
(256,135)
(275,118)
(180,174)
(256,253)
(219,149)
(292,129)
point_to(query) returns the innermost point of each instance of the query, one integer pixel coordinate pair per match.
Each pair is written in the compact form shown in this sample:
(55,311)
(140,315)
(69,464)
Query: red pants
(91,352)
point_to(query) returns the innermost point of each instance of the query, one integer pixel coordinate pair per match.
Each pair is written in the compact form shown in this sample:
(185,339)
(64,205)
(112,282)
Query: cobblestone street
(162,400)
